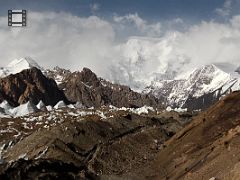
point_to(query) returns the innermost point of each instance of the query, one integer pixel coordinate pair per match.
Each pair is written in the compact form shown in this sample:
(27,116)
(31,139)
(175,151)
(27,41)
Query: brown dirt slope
(208,147)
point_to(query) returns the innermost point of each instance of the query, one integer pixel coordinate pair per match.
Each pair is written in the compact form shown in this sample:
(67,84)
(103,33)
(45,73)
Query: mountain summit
(18,65)
(87,88)
(198,90)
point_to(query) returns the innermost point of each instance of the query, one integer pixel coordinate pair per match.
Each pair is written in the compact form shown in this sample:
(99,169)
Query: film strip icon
(17,17)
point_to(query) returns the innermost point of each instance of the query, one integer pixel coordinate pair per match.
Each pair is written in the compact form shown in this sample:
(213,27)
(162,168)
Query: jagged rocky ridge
(92,91)
(195,91)
(198,90)
(58,74)
(84,87)
(30,85)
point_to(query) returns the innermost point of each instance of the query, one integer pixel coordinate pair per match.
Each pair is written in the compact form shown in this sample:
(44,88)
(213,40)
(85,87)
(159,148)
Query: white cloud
(59,39)
(212,42)
(75,42)
(225,10)
(142,25)
(147,59)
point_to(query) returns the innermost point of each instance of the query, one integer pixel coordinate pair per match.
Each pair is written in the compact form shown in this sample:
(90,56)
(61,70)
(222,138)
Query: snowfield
(6,111)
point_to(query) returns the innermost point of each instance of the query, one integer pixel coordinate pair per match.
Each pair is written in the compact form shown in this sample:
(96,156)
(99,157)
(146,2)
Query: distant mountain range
(197,90)
(75,125)
(25,84)
(23,80)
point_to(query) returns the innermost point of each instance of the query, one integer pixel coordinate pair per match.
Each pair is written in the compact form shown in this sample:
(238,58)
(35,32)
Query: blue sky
(190,10)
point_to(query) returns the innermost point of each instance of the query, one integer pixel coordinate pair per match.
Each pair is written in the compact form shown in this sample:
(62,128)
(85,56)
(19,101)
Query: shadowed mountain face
(87,88)
(207,147)
(30,85)
(41,169)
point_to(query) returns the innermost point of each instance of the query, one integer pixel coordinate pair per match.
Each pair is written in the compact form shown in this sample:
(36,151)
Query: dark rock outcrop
(58,74)
(44,169)
(87,88)
(30,85)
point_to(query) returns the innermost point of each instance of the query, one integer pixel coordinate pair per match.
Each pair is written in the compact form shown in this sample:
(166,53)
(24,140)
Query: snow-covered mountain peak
(206,74)
(201,81)
(17,65)
(208,78)
(23,63)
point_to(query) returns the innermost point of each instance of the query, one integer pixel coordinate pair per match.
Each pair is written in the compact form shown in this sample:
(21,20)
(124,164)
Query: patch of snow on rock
(71,106)
(24,109)
(79,105)
(176,109)
(5,105)
(141,110)
(60,104)
(41,106)
(49,108)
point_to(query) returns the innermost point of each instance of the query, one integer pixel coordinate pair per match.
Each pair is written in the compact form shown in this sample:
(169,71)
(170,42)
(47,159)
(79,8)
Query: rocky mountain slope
(87,88)
(80,86)
(195,91)
(83,143)
(206,148)
(58,74)
(30,85)
(113,143)
(201,88)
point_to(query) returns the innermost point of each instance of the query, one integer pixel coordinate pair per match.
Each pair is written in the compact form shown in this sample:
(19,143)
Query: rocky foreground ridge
(206,148)
(84,143)
(110,143)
